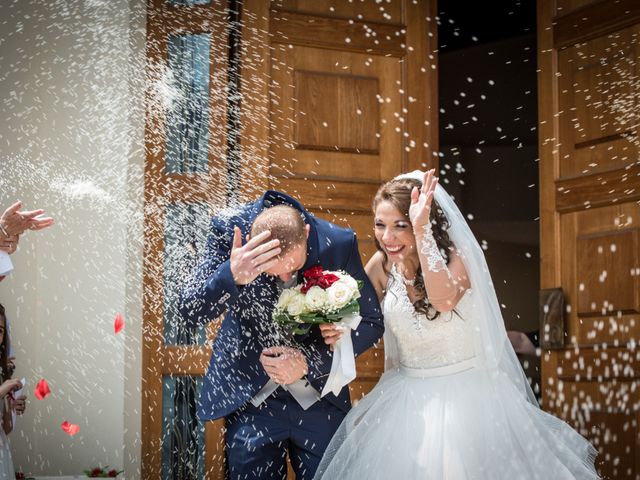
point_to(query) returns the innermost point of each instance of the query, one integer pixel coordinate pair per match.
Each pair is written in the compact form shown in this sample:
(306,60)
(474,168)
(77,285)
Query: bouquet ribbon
(343,366)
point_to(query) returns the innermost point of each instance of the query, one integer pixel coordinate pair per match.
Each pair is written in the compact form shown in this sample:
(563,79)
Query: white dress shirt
(301,389)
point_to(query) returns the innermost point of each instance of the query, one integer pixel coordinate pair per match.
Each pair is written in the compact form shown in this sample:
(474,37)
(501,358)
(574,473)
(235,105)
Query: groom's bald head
(285,224)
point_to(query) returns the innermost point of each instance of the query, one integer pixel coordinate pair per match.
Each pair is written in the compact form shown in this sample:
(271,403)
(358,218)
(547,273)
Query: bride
(453,402)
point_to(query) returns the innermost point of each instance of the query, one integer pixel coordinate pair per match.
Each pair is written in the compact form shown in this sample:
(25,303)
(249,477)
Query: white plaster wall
(71,82)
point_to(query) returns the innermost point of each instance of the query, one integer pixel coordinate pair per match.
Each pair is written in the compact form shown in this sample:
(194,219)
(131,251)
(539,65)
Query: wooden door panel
(602,408)
(600,189)
(597,99)
(565,6)
(590,220)
(610,422)
(344,112)
(359,389)
(608,429)
(607,424)
(615,364)
(616,330)
(599,267)
(336,114)
(360,222)
(606,272)
(330,195)
(338,33)
(368,10)
(371,363)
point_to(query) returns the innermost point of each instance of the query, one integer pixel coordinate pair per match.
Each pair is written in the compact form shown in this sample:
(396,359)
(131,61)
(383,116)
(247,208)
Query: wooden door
(184,183)
(590,219)
(338,97)
(323,99)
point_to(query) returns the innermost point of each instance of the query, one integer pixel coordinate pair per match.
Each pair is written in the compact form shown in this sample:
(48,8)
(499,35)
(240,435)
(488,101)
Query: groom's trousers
(259,438)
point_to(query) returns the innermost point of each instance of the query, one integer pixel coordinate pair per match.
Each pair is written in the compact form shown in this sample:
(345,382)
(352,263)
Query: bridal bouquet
(323,297)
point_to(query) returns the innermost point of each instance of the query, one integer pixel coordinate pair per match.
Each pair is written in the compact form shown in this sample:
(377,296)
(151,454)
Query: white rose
(339,294)
(352,283)
(296,304)
(316,298)
(285,297)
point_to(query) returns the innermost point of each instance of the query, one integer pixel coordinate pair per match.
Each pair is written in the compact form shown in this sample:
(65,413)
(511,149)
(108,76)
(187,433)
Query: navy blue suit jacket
(235,374)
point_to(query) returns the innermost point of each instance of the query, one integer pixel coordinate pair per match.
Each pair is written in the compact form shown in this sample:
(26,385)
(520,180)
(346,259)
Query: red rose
(315,277)
(313,272)
(19,476)
(96,472)
(113,473)
(327,280)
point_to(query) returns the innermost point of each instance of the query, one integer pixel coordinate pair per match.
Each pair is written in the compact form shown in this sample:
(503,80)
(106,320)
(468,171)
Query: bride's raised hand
(421,199)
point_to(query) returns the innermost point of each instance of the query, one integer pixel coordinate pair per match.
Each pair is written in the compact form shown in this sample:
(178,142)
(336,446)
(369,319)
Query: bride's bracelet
(429,248)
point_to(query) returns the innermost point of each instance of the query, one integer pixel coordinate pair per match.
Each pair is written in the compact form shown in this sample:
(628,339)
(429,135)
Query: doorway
(489,146)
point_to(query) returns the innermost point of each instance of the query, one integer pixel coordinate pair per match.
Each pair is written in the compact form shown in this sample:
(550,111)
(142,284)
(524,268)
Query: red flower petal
(313,272)
(70,428)
(312,282)
(330,279)
(42,390)
(118,323)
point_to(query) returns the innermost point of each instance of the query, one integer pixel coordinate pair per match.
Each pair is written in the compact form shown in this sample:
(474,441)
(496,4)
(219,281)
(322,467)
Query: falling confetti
(118,323)
(82,188)
(70,428)
(42,390)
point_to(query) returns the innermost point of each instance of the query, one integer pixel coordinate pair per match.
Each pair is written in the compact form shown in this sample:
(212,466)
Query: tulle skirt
(455,426)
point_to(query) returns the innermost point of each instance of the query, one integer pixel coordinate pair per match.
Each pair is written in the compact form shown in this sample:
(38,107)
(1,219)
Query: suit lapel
(312,250)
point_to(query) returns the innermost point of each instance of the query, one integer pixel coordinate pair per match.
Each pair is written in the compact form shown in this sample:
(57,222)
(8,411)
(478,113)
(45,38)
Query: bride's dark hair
(5,371)
(398,193)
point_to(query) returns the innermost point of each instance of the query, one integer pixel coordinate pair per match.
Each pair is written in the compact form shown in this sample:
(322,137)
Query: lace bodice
(424,343)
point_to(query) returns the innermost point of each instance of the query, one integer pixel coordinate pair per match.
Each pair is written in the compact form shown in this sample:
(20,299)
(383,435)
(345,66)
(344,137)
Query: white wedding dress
(441,414)
(6,464)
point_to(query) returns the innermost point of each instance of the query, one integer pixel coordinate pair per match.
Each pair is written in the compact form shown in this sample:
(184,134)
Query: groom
(268,389)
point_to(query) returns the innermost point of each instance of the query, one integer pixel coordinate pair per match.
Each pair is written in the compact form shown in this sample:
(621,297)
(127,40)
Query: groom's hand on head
(254,257)
(284,365)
